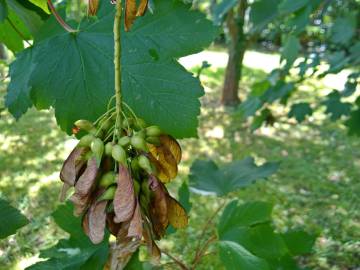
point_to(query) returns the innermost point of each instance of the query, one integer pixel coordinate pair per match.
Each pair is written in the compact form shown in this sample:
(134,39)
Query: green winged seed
(108,149)
(86,140)
(153,131)
(139,143)
(119,154)
(153,140)
(108,194)
(107,179)
(145,164)
(85,125)
(124,141)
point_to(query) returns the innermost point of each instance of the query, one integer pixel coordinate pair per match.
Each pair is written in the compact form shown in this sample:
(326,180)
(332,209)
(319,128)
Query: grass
(316,187)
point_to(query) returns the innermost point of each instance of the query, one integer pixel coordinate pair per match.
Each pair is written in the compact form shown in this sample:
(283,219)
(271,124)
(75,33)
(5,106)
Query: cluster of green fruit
(119,174)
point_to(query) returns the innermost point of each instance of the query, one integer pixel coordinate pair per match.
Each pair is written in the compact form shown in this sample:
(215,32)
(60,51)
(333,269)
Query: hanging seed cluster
(119,181)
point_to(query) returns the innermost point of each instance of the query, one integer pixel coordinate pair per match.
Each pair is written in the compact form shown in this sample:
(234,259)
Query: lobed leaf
(75,71)
(234,256)
(76,252)
(11,219)
(206,177)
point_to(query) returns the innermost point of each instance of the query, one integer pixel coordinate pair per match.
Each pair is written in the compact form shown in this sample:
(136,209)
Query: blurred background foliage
(290,94)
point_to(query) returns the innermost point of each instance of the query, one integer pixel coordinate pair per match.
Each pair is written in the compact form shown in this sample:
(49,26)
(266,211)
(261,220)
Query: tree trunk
(237,48)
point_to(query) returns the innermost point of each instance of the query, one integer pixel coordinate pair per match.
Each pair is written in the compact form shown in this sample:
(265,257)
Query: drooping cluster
(119,181)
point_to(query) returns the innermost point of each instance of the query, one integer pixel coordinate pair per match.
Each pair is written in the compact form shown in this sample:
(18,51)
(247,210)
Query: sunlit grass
(316,187)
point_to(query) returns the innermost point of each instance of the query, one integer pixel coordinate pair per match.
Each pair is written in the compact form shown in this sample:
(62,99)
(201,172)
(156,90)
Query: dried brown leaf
(158,208)
(97,221)
(136,223)
(63,192)
(130,13)
(93,7)
(124,200)
(176,213)
(111,225)
(80,202)
(173,146)
(122,236)
(73,165)
(87,180)
(142,8)
(85,223)
(164,162)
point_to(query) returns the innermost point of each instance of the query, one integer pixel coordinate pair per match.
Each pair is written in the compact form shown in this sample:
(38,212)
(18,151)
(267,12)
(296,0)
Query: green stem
(59,19)
(117,65)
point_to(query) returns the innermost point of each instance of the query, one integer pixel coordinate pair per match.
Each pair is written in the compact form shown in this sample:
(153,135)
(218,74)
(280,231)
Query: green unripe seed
(86,140)
(141,133)
(124,141)
(135,164)
(140,123)
(97,147)
(108,194)
(128,122)
(108,149)
(136,187)
(107,179)
(153,140)
(105,125)
(145,164)
(85,125)
(119,154)
(139,143)
(145,189)
(153,131)
(88,155)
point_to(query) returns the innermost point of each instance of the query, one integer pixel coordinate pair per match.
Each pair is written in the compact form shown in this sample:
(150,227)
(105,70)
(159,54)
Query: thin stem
(117,65)
(104,115)
(207,224)
(176,261)
(131,111)
(59,19)
(17,31)
(202,251)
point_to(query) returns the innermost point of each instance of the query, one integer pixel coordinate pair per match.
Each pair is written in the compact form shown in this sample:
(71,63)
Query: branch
(176,261)
(202,251)
(59,19)
(204,230)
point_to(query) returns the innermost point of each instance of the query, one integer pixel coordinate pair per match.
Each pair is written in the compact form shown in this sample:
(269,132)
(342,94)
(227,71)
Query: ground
(315,189)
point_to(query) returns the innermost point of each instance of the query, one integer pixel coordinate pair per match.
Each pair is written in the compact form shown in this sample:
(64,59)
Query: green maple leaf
(300,111)
(74,72)
(11,219)
(76,252)
(207,178)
